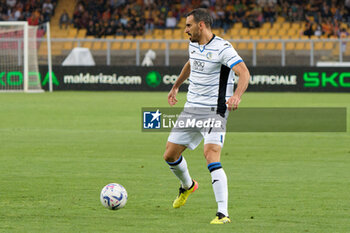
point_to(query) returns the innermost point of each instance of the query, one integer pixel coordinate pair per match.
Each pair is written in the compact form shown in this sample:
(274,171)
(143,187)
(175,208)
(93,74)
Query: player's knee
(211,150)
(212,154)
(168,154)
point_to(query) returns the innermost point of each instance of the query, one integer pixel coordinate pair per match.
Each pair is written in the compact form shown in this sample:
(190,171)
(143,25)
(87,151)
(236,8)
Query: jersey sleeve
(229,56)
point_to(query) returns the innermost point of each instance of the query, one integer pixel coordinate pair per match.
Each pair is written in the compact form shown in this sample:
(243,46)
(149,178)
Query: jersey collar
(202,47)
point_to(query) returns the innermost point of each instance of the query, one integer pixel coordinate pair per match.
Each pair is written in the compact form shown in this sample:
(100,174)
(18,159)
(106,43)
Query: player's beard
(194,37)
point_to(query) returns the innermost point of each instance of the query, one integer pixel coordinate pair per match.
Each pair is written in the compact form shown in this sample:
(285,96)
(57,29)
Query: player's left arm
(243,73)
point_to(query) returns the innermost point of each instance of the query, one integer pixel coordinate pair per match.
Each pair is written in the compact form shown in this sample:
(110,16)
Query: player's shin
(219,182)
(180,170)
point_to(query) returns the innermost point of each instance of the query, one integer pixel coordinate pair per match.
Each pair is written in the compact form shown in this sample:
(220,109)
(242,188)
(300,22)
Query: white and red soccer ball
(113,196)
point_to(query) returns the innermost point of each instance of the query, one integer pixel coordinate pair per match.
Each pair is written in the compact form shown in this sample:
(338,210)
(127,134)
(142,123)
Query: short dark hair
(201,14)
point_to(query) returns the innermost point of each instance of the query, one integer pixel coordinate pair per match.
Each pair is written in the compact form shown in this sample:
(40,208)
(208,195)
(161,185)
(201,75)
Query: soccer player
(211,69)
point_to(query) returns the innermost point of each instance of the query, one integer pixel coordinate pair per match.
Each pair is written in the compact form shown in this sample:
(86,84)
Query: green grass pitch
(57,151)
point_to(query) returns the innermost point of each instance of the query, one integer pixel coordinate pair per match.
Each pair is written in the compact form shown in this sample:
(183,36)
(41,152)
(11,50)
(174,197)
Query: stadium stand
(154,19)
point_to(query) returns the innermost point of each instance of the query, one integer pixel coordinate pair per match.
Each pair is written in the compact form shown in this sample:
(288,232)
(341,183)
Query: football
(113,196)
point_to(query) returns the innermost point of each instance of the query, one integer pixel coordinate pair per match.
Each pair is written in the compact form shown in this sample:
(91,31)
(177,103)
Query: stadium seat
(67,45)
(253,32)
(245,46)
(72,33)
(97,45)
(174,46)
(271,46)
(272,32)
(88,44)
(145,45)
(238,25)
(104,45)
(168,34)
(58,33)
(184,45)
(117,44)
(329,45)
(158,33)
(282,32)
(244,32)
(234,33)
(218,32)
(81,33)
(178,34)
(280,19)
(261,46)
(290,46)
(266,26)
(292,33)
(263,33)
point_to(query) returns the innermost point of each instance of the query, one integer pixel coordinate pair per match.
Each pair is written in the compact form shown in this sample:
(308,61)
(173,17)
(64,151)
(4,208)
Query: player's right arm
(185,73)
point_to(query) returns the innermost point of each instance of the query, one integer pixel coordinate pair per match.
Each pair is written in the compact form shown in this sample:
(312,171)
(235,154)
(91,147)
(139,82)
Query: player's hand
(233,102)
(172,96)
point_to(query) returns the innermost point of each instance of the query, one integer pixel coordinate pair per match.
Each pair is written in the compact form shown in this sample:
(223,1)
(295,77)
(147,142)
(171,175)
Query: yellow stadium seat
(162,46)
(158,33)
(97,45)
(217,32)
(155,45)
(291,32)
(168,34)
(318,45)
(245,46)
(243,32)
(174,46)
(285,37)
(253,32)
(271,46)
(296,26)
(126,45)
(278,46)
(282,32)
(148,36)
(87,44)
(133,45)
(262,32)
(280,19)
(238,25)
(290,46)
(261,46)
(72,33)
(184,45)
(81,33)
(307,46)
(104,45)
(145,45)
(277,25)
(178,34)
(59,33)
(56,45)
(67,45)
(286,26)
(234,32)
(299,45)
(266,26)
(272,32)
(116,45)
(328,45)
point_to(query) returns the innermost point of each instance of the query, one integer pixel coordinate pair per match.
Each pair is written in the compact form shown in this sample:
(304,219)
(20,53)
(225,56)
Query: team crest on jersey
(209,55)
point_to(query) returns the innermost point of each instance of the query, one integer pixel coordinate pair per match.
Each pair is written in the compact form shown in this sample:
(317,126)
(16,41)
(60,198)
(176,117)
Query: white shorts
(191,135)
